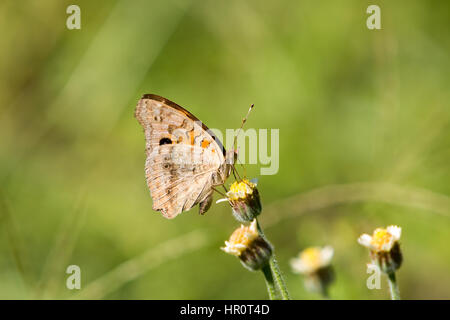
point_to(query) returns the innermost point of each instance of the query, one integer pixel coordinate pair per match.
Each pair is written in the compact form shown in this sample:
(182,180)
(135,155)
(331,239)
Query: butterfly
(185,160)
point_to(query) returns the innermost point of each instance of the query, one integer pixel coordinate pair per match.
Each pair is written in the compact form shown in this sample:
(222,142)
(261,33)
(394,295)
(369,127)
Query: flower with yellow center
(384,247)
(312,259)
(251,248)
(315,264)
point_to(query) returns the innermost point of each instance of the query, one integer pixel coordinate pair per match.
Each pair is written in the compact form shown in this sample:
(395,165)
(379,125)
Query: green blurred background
(364,142)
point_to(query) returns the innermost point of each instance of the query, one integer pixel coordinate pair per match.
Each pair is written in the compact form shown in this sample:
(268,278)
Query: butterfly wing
(183,155)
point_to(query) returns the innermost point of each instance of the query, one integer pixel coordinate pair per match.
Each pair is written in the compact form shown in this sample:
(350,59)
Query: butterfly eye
(165,141)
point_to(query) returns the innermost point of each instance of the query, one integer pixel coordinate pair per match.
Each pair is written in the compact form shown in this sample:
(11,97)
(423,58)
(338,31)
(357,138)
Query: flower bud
(251,248)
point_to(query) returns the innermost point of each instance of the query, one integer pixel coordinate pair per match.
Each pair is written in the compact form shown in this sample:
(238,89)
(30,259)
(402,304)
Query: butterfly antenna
(242,125)
(235,172)
(235,142)
(243,168)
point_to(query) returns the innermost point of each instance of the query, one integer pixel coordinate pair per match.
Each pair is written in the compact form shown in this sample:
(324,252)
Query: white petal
(221,200)
(226,248)
(365,240)
(232,248)
(298,266)
(326,254)
(396,232)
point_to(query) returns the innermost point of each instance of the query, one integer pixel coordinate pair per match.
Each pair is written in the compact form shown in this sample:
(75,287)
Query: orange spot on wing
(205,143)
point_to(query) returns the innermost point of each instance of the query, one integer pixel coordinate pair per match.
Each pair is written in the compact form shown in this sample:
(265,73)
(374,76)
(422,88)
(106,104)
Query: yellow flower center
(380,238)
(311,257)
(240,190)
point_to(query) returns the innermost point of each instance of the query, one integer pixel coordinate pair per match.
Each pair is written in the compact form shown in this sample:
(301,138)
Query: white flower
(312,259)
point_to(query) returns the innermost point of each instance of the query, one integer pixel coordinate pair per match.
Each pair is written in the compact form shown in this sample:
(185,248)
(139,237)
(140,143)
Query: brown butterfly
(185,160)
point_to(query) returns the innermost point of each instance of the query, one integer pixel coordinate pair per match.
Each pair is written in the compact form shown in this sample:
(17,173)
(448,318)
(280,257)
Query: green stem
(393,286)
(278,276)
(279,279)
(324,292)
(269,282)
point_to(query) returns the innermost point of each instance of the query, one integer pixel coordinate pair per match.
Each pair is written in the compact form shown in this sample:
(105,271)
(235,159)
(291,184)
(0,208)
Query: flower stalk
(393,286)
(249,243)
(384,250)
(275,269)
(281,284)
(267,271)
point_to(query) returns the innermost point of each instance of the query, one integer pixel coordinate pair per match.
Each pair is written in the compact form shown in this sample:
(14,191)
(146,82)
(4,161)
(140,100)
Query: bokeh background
(364,142)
